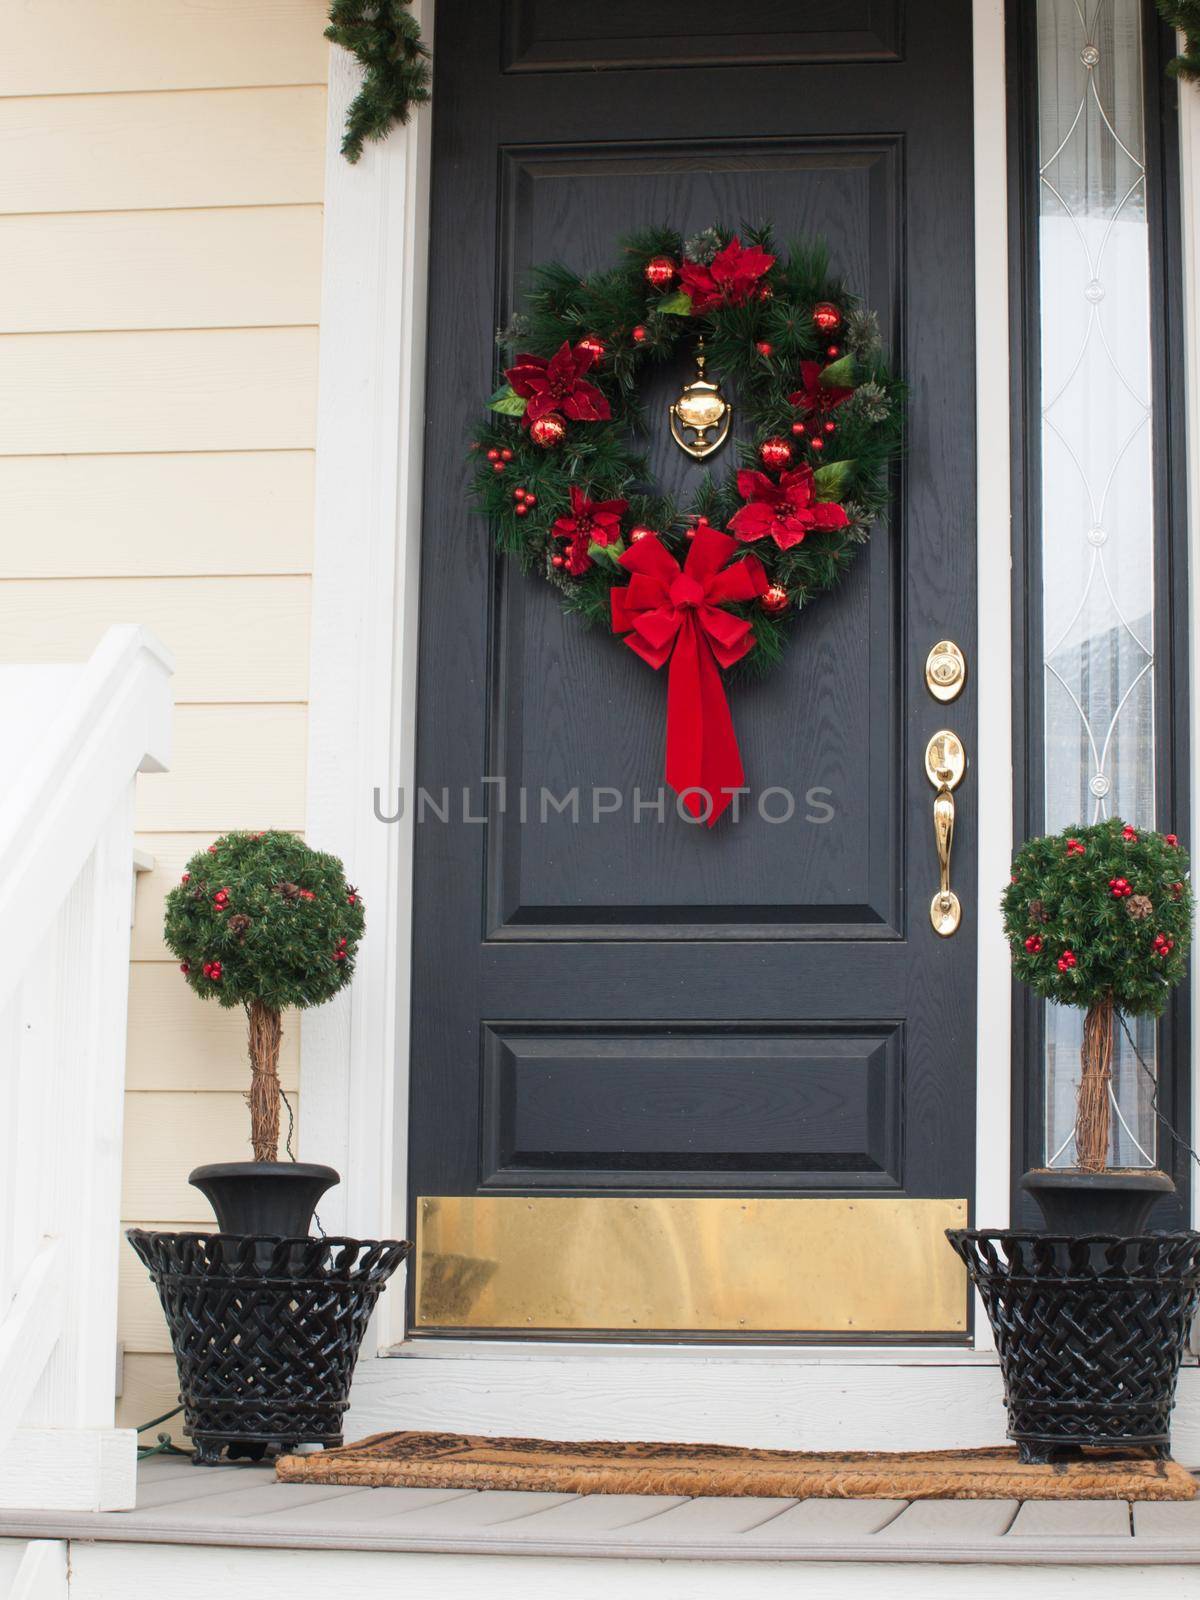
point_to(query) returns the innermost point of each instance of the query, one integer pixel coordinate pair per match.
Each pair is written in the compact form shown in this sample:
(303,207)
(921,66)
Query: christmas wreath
(560,471)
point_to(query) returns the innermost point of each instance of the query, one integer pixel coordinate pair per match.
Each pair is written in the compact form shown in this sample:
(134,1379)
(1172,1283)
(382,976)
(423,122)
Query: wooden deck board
(1097,1519)
(243,1507)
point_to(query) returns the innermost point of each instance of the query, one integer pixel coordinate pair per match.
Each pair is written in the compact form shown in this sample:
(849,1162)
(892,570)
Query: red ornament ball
(774,453)
(774,600)
(659,272)
(826,316)
(638,334)
(765,347)
(642,533)
(548,431)
(591,344)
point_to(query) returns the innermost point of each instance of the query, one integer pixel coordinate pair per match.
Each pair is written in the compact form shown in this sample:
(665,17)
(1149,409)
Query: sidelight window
(1096,502)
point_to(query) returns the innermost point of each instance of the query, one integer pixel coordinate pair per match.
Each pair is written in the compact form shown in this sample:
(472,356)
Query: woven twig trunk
(1093,1116)
(266,1033)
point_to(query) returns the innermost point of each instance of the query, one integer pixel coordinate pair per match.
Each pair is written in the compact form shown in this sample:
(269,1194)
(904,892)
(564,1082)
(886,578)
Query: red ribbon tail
(703,760)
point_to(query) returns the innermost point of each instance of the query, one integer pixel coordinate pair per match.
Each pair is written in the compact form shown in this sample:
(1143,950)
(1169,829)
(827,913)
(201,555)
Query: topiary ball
(1102,909)
(262,916)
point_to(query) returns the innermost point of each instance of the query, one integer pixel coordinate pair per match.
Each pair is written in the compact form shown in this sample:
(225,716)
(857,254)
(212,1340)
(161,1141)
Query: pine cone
(1139,907)
(1038,912)
(702,247)
(289,891)
(238,923)
(871,402)
(862,333)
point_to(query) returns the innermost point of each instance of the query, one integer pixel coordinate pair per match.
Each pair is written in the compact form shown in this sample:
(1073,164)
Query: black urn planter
(266,1332)
(1118,1200)
(271,1197)
(1090,1331)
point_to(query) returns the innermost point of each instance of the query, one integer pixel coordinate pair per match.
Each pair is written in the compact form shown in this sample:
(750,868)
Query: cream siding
(161,170)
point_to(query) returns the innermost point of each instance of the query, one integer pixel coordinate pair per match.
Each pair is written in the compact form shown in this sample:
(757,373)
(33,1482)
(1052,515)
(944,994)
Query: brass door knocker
(700,411)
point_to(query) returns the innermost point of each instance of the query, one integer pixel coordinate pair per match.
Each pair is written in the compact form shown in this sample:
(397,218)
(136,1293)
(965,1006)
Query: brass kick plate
(700,1264)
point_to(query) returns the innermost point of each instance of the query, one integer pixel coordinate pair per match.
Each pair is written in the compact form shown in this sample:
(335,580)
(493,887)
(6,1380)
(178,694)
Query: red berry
(184,967)
(816,444)
(506,454)
(1076,847)
(351,899)
(1034,943)
(558,561)
(521,510)
(765,347)
(1177,890)
(187,878)
(493,454)
(1066,961)
(307,894)
(833,352)
(830,426)
(1172,839)
(641,533)
(221,899)
(639,333)
(497,466)
(1129,834)
(799,429)
(212,849)
(518,493)
(592,345)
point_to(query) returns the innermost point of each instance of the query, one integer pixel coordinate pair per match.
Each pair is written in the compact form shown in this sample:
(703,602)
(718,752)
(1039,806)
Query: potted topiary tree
(1091,1317)
(1100,918)
(262,921)
(265,1322)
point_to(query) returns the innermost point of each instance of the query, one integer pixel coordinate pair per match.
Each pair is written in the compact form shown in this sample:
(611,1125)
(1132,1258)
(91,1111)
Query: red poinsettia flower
(731,279)
(589,522)
(785,510)
(559,385)
(814,398)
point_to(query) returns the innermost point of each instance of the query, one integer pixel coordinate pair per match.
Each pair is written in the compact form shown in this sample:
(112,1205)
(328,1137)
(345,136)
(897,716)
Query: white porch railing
(72,740)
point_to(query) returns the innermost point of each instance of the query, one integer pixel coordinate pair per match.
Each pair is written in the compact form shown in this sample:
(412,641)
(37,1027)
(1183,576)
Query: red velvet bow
(669,614)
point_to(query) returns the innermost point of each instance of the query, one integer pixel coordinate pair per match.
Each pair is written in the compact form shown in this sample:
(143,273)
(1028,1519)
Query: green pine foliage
(606,459)
(387,41)
(1184,16)
(262,916)
(1114,898)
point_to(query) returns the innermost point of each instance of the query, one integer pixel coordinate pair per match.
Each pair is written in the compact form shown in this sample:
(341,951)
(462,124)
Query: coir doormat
(461,1461)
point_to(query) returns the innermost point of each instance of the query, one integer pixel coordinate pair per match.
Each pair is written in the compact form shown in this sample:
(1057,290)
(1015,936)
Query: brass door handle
(945,763)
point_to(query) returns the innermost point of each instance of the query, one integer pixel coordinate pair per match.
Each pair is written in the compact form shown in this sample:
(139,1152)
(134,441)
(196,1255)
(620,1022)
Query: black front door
(619,1009)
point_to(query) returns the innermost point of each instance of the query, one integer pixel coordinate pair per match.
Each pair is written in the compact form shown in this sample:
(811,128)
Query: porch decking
(244,1507)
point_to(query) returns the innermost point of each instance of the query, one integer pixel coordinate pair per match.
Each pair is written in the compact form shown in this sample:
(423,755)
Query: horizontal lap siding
(161,181)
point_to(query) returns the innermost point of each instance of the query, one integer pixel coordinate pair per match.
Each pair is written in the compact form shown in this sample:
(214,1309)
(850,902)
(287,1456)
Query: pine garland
(755,348)
(387,41)
(1184,17)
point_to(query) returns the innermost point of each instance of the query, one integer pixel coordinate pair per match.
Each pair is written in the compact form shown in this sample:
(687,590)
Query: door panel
(609,1002)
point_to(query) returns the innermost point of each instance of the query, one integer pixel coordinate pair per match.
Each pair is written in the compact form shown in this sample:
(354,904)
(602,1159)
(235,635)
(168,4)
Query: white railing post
(66,866)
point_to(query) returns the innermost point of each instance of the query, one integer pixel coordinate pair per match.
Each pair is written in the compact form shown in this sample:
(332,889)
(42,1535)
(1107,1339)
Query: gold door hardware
(945,763)
(689,1264)
(945,670)
(700,409)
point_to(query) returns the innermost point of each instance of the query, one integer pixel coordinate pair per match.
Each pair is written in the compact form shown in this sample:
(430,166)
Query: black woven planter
(1090,1332)
(266,1332)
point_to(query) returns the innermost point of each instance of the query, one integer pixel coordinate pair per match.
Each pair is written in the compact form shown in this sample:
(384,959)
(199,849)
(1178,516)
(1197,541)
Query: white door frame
(370,443)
